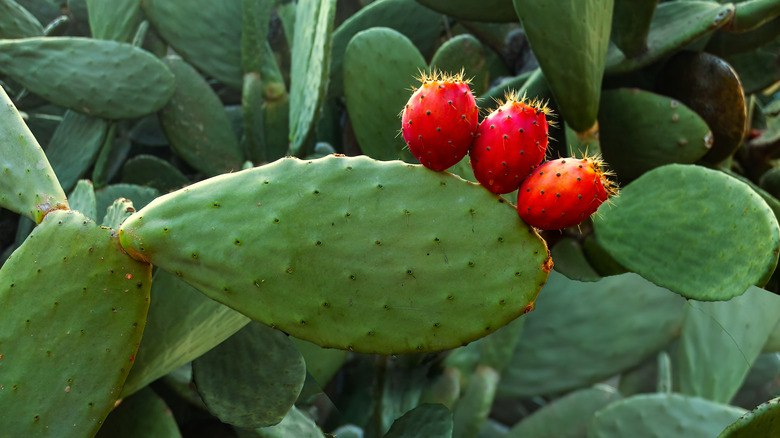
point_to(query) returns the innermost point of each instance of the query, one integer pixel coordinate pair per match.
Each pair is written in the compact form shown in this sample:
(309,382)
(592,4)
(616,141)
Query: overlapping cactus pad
(350,253)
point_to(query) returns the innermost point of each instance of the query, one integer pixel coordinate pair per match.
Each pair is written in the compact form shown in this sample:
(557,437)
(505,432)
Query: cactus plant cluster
(211,224)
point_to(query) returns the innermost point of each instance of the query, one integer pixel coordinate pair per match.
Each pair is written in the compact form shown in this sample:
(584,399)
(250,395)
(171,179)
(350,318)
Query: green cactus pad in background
(662,415)
(566,417)
(149,170)
(570,260)
(551,357)
(473,408)
(640,130)
(17,22)
(310,68)
(195,122)
(750,15)
(424,421)
(75,146)
(757,68)
(205,33)
(138,194)
(418,23)
(321,363)
(675,25)
(496,11)
(464,52)
(760,422)
(363,245)
(116,20)
(599,258)
(82,199)
(379,69)
(182,325)
(252,379)
(630,25)
(570,39)
(142,415)
(66,350)
(295,424)
(720,341)
(96,77)
(681,227)
(28,184)
(709,86)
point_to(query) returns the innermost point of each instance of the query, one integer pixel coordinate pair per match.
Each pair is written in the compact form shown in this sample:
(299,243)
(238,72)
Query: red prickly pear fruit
(562,193)
(509,144)
(439,121)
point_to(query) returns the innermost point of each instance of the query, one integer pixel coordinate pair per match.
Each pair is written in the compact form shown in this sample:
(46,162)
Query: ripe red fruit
(510,143)
(562,193)
(439,121)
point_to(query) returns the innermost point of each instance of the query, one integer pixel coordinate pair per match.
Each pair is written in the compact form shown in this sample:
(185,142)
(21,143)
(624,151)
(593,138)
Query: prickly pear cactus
(359,246)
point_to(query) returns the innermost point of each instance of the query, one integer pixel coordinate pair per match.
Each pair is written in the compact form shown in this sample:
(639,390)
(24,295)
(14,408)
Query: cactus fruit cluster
(210,224)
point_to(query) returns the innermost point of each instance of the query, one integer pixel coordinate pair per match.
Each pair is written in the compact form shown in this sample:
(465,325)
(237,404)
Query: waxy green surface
(28,184)
(17,22)
(424,421)
(760,422)
(552,358)
(96,77)
(681,227)
(570,40)
(205,33)
(662,415)
(65,350)
(380,66)
(380,257)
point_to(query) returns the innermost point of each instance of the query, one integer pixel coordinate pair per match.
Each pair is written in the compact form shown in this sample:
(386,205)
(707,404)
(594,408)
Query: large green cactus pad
(640,130)
(28,184)
(100,78)
(349,252)
(662,415)
(379,69)
(552,357)
(115,20)
(760,422)
(72,310)
(182,325)
(143,415)
(252,379)
(695,231)
(570,40)
(17,22)
(204,32)
(721,340)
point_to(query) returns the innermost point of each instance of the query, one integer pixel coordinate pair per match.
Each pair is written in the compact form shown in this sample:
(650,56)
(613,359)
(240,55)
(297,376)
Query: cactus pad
(28,184)
(662,415)
(100,78)
(65,350)
(705,245)
(761,422)
(349,253)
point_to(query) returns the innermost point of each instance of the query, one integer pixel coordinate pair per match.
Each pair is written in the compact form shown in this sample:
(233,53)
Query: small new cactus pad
(509,144)
(440,119)
(72,311)
(349,252)
(562,193)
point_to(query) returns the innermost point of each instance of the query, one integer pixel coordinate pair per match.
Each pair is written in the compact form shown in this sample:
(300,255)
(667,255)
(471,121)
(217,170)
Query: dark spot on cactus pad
(378,242)
(318,243)
(216,205)
(316,192)
(352,277)
(379,186)
(487,329)
(303,322)
(386,307)
(194,255)
(420,347)
(325,304)
(436,239)
(450,297)
(237,242)
(471,264)
(276,220)
(349,167)
(500,239)
(266,182)
(289,270)
(528,308)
